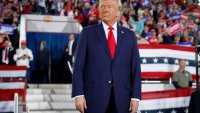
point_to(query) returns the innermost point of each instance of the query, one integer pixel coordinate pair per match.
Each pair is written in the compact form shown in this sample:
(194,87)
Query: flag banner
(176,17)
(6,28)
(145,3)
(184,17)
(174,28)
(9,85)
(196,14)
(7,106)
(7,90)
(191,25)
(161,61)
(168,101)
(191,7)
(12,71)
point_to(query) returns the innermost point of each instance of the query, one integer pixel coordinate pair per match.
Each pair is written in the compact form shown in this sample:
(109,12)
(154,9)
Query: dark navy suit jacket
(94,69)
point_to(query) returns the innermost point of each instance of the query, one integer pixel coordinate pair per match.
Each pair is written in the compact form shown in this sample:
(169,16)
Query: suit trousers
(112,105)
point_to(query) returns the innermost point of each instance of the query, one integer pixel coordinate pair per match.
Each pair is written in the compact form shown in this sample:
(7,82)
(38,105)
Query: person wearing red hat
(22,57)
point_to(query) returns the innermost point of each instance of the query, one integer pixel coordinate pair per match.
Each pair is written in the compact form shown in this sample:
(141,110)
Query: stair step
(48,91)
(50,86)
(48,97)
(50,105)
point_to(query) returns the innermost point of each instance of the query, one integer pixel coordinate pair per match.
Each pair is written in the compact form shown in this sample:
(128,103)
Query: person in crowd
(197,36)
(27,8)
(68,57)
(7,19)
(153,39)
(105,52)
(186,40)
(23,57)
(8,53)
(177,39)
(139,24)
(3,38)
(79,16)
(93,15)
(140,39)
(182,78)
(14,38)
(42,60)
(124,22)
(146,33)
(41,7)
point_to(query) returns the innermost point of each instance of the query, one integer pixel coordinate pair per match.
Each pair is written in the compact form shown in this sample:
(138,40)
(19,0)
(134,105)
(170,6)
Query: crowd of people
(153,21)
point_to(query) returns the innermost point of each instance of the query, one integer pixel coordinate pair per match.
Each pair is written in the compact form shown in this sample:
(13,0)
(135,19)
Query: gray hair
(118,3)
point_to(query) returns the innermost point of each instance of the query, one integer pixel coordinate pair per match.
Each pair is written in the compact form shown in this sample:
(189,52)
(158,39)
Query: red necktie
(111,42)
(6,54)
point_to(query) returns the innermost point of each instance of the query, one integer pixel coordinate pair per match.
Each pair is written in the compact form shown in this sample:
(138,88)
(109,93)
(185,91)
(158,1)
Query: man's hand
(80,103)
(134,106)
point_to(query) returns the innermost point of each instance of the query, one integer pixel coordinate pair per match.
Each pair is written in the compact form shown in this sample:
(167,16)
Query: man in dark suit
(7,54)
(68,56)
(195,101)
(106,76)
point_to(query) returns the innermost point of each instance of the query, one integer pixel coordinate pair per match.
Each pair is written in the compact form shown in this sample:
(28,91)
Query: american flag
(161,61)
(168,101)
(9,85)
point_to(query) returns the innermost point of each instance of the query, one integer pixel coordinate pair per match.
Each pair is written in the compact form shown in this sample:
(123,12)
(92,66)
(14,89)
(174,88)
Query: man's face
(109,11)
(71,37)
(182,64)
(23,46)
(6,43)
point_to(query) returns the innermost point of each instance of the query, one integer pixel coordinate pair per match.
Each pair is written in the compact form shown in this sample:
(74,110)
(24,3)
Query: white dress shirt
(6,61)
(105,27)
(23,62)
(70,45)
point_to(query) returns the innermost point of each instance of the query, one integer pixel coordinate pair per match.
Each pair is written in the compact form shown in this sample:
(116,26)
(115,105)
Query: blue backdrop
(55,44)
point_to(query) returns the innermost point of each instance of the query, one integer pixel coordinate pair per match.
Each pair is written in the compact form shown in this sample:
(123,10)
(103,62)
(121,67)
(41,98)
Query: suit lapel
(102,37)
(120,36)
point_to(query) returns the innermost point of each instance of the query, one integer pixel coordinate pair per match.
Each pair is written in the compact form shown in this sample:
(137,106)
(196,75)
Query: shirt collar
(106,26)
(71,41)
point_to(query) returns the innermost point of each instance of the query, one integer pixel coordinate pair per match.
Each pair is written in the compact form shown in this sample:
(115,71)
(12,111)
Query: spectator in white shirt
(22,57)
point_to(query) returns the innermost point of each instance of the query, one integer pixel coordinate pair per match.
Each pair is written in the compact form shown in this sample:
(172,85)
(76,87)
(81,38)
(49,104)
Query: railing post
(170,80)
(27,109)
(16,101)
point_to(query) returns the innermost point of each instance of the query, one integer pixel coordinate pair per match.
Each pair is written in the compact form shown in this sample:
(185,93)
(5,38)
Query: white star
(159,112)
(186,110)
(144,60)
(176,61)
(173,111)
(165,60)
(155,60)
(187,62)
